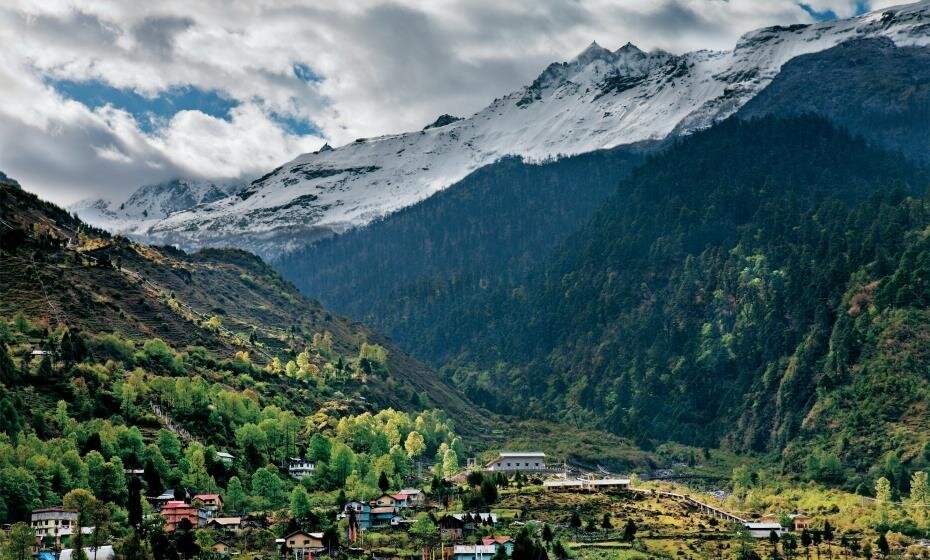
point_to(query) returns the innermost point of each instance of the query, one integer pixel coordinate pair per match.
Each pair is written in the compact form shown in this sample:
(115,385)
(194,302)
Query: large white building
(299,467)
(53,522)
(763,530)
(517,461)
(474,551)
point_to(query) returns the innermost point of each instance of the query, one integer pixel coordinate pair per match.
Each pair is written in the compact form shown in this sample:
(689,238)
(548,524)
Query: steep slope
(699,303)
(871,87)
(423,274)
(598,100)
(150,203)
(56,270)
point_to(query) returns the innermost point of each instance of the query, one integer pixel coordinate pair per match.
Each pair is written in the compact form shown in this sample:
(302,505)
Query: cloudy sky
(100,97)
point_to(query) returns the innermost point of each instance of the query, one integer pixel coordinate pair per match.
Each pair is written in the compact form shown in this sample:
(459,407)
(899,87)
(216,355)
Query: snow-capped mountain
(600,99)
(150,204)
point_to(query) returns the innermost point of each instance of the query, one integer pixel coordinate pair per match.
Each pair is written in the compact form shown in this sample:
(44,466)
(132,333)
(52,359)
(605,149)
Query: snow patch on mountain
(150,204)
(599,99)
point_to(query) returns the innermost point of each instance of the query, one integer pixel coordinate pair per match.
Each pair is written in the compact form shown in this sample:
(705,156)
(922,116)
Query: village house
(53,523)
(233,524)
(54,526)
(473,551)
(503,540)
(300,468)
(175,511)
(254,522)
(300,544)
(225,457)
(416,498)
(210,502)
(509,461)
(762,530)
(451,528)
(393,500)
(382,516)
(799,521)
(361,511)
(159,501)
(456,525)
(399,521)
(220,548)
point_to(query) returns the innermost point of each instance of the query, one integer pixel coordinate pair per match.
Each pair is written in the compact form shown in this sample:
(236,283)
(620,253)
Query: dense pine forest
(868,86)
(443,256)
(734,290)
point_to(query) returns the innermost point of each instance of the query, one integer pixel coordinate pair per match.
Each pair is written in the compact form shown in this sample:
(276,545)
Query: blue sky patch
(147,111)
(305,74)
(861,8)
(293,125)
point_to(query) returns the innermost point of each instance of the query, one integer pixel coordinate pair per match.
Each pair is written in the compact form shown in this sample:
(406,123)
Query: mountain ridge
(599,100)
(150,203)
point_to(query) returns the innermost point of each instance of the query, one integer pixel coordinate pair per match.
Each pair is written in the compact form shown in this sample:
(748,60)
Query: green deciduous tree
(920,497)
(414,445)
(19,542)
(450,463)
(235,498)
(267,487)
(301,509)
(20,491)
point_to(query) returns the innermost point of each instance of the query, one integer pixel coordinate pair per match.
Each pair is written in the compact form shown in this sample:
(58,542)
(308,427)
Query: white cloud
(384,67)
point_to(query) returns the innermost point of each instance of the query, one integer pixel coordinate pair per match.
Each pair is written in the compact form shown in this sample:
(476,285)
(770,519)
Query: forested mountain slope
(714,297)
(869,86)
(56,270)
(423,274)
(214,322)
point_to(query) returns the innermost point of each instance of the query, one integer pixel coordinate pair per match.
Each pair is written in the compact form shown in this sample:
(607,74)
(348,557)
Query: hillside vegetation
(734,289)
(58,271)
(422,275)
(743,287)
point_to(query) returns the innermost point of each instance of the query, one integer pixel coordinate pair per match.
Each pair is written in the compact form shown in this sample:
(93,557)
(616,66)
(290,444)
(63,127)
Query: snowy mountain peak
(591,53)
(443,120)
(628,48)
(599,99)
(151,203)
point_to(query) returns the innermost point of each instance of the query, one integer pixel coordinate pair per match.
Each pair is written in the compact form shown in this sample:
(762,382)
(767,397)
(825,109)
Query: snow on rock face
(600,99)
(151,203)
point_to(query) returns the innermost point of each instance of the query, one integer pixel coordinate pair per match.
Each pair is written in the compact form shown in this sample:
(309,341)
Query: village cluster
(460,535)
